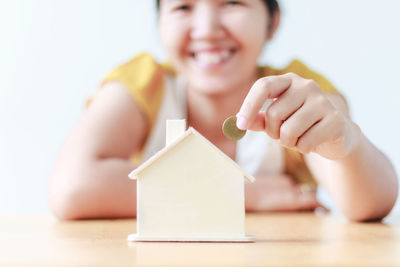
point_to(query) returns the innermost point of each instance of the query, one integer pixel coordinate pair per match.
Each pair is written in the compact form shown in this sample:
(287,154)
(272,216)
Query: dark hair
(272,6)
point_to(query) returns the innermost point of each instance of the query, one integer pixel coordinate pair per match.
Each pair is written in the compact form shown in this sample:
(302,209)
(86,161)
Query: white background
(53,54)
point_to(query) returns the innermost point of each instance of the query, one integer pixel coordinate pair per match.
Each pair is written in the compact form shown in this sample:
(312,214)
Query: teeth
(212,57)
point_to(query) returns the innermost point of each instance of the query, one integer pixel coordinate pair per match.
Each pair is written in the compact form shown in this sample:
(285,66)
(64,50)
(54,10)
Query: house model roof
(191,131)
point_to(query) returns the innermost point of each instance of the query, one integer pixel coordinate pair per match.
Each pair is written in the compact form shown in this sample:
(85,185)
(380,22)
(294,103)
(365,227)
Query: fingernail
(241,122)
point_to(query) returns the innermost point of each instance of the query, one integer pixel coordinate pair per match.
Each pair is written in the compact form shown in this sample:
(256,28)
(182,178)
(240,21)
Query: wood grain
(290,239)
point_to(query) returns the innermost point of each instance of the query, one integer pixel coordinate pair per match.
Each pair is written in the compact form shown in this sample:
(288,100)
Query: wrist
(355,141)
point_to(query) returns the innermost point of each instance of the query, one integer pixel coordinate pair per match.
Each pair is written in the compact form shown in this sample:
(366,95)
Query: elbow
(375,208)
(375,212)
(63,204)
(65,198)
(369,215)
(64,213)
(75,201)
(365,217)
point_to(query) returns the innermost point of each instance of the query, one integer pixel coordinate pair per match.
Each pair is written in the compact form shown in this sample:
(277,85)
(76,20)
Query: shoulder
(143,78)
(138,72)
(299,68)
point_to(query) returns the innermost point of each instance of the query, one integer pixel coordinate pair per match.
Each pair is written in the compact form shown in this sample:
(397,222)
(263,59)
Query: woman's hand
(301,117)
(279,193)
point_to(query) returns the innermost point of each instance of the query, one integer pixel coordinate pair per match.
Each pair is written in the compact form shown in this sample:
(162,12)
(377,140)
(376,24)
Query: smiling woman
(209,42)
(301,131)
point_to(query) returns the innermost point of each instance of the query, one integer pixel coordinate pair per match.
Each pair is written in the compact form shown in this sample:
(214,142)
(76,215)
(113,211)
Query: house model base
(228,239)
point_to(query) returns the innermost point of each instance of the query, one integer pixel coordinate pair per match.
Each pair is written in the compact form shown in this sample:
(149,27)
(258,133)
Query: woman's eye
(232,3)
(182,8)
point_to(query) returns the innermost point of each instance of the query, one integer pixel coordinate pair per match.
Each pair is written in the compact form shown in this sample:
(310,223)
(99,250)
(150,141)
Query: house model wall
(190,191)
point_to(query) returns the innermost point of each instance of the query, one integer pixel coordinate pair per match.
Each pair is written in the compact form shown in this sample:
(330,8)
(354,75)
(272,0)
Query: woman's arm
(359,177)
(363,183)
(90,175)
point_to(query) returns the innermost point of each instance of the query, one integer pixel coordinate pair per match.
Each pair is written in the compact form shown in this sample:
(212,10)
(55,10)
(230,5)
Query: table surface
(281,239)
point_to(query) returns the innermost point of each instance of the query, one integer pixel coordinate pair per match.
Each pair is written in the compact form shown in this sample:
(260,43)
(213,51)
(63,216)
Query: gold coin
(231,131)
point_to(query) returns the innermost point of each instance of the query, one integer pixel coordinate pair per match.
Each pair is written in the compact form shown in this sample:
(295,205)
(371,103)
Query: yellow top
(144,79)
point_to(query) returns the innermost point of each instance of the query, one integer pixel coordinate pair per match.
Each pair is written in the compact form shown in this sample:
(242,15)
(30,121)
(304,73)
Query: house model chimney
(175,128)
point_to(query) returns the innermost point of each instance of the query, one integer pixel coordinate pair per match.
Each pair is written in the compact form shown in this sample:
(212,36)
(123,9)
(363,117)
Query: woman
(213,47)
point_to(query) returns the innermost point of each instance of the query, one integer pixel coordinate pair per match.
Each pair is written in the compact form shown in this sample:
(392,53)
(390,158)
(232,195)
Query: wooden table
(282,239)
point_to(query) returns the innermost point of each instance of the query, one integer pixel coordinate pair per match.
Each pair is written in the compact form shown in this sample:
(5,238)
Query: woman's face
(215,44)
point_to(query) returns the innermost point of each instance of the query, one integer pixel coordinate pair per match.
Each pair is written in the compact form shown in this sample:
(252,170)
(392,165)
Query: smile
(209,58)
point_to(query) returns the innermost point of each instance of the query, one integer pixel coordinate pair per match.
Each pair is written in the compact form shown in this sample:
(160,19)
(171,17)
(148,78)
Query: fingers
(287,200)
(281,109)
(300,116)
(327,129)
(258,123)
(279,193)
(263,89)
(297,124)
(299,106)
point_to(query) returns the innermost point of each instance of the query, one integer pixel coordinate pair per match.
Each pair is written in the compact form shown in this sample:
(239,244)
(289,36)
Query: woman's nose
(206,24)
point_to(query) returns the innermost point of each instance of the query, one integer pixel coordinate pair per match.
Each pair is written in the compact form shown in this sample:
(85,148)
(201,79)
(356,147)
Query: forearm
(98,188)
(363,184)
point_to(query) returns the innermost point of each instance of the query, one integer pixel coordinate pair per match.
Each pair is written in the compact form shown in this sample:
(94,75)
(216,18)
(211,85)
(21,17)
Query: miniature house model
(190,191)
